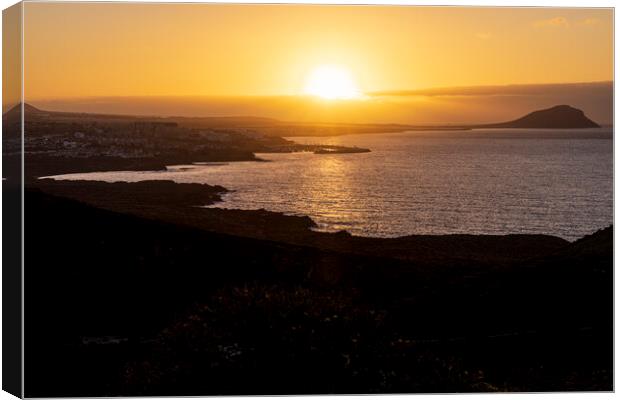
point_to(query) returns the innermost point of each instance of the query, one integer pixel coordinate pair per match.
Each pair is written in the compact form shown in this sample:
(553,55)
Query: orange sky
(112,49)
(208,59)
(11,56)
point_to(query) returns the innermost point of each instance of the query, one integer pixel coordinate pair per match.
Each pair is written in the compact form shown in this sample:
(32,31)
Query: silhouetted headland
(557,117)
(340,150)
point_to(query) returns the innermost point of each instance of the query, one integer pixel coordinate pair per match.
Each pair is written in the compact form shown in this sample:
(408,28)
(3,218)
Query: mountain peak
(28,108)
(14,114)
(31,108)
(561,116)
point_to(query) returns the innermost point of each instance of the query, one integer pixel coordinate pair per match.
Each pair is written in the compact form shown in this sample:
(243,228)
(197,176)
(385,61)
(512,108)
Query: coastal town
(84,136)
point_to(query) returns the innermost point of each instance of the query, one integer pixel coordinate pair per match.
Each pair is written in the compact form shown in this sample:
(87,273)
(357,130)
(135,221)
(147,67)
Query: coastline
(42,165)
(183,203)
(231,209)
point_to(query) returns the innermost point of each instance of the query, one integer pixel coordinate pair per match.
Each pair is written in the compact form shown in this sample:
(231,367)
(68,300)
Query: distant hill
(557,117)
(14,113)
(269,126)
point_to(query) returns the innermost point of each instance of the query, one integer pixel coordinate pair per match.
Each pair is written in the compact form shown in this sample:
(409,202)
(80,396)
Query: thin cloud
(556,22)
(501,90)
(483,35)
(589,21)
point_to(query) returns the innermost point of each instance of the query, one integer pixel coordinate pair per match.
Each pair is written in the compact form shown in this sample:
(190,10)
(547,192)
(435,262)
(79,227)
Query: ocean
(425,182)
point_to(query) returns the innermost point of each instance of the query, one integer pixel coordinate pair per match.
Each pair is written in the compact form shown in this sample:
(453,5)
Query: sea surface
(476,182)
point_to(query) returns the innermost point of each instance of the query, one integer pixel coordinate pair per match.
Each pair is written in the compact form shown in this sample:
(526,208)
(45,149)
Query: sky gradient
(106,50)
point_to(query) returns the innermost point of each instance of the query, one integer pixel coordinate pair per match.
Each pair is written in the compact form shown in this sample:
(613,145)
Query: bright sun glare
(331,82)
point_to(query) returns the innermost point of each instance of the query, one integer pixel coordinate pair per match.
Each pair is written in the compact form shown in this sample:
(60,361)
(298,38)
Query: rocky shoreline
(183,204)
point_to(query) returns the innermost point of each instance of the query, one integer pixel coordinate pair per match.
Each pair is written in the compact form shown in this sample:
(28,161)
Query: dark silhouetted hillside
(149,298)
(15,112)
(557,117)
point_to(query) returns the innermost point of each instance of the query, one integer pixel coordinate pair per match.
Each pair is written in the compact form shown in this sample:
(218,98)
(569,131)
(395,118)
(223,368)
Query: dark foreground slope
(121,303)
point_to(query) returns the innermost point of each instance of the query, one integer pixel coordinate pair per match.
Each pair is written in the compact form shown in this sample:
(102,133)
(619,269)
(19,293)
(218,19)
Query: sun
(331,82)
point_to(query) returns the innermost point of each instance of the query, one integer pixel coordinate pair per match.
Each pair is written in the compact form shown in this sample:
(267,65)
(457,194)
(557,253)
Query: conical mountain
(557,117)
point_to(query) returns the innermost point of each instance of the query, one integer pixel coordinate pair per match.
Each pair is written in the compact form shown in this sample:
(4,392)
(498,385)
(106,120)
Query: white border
(483,3)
